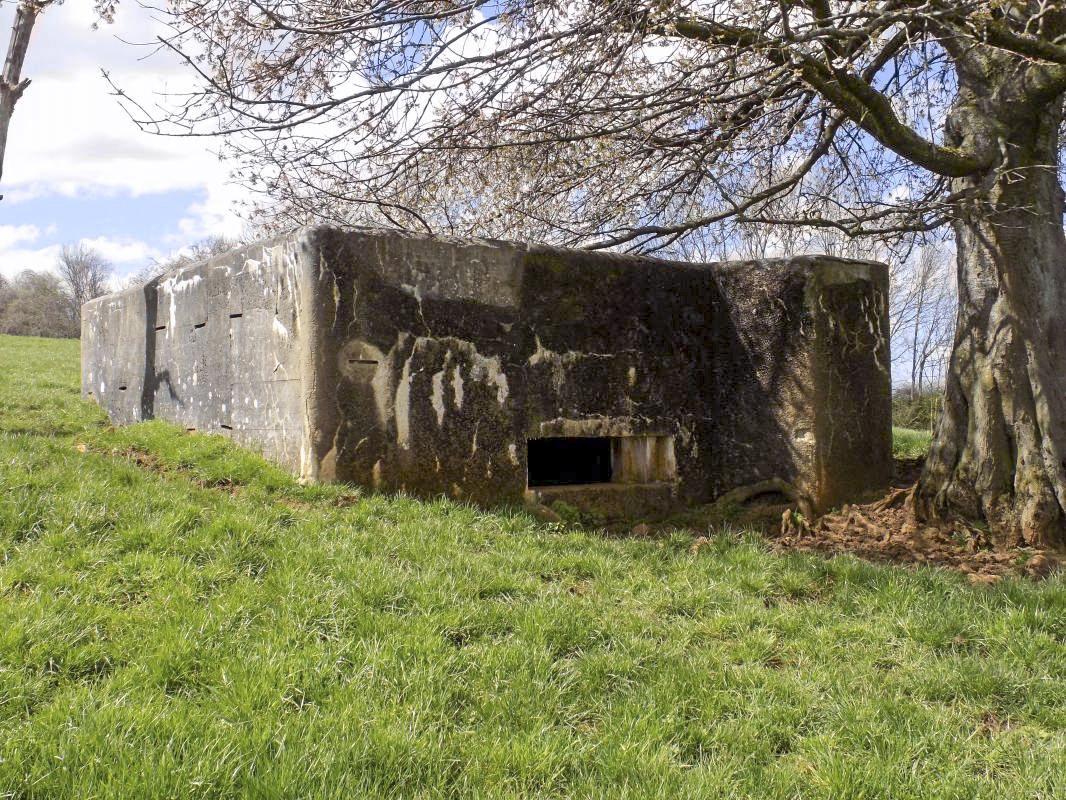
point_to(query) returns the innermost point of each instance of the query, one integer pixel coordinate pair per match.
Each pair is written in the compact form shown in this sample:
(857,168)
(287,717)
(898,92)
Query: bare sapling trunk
(11,83)
(999,453)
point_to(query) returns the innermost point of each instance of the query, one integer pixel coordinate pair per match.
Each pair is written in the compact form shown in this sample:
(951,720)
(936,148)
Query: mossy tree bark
(999,453)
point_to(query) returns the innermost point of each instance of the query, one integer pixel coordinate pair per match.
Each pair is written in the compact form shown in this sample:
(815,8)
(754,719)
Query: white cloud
(126,255)
(123,253)
(11,235)
(69,136)
(215,215)
(14,260)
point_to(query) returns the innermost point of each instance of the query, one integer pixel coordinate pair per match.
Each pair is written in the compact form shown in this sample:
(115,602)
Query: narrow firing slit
(199,325)
(237,315)
(122,388)
(160,327)
(224,426)
(361,361)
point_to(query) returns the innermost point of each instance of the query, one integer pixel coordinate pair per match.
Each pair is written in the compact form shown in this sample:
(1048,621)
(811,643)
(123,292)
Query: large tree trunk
(999,453)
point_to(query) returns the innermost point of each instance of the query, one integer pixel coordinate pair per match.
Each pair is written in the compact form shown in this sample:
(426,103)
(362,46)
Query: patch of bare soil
(149,462)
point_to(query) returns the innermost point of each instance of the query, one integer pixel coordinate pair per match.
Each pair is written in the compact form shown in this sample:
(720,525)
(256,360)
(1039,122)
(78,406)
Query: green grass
(204,627)
(908,443)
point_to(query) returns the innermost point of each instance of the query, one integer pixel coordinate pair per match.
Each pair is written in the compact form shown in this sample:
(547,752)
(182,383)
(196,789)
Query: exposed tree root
(890,529)
(743,494)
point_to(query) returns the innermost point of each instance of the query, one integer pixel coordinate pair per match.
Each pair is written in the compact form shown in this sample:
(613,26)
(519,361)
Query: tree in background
(634,123)
(5,295)
(35,304)
(921,323)
(49,303)
(198,251)
(922,314)
(84,274)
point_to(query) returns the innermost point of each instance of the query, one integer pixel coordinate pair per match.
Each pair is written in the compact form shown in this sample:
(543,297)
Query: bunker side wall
(852,399)
(812,331)
(215,347)
(415,362)
(113,359)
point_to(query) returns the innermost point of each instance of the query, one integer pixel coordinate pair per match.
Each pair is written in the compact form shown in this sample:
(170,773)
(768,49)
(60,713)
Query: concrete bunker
(501,372)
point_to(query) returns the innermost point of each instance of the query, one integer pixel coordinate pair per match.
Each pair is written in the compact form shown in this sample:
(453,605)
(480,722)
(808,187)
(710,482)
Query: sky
(77,170)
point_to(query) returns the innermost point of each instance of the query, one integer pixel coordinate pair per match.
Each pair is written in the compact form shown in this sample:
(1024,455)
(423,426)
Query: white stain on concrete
(489,371)
(174,286)
(402,406)
(457,387)
(436,398)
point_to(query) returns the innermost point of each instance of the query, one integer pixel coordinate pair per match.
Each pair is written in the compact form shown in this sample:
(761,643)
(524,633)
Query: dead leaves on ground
(887,530)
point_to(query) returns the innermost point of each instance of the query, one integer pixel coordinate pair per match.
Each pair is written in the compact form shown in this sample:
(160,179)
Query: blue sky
(77,170)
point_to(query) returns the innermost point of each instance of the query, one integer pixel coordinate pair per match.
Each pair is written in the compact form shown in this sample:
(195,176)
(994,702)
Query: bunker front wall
(409,362)
(438,360)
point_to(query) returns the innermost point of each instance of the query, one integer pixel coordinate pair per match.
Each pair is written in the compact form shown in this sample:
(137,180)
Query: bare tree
(629,123)
(198,251)
(922,320)
(209,247)
(36,305)
(931,293)
(84,273)
(5,294)
(12,84)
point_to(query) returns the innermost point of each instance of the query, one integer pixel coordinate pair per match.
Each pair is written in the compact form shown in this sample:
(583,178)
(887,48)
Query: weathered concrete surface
(401,361)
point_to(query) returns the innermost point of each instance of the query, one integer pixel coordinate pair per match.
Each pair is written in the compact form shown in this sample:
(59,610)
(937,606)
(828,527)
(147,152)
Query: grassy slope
(163,638)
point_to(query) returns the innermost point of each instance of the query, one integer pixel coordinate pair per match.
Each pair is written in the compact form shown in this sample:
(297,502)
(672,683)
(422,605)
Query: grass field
(908,443)
(180,620)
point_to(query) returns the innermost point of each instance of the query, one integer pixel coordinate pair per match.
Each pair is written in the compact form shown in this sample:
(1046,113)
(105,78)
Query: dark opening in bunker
(559,461)
(568,461)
